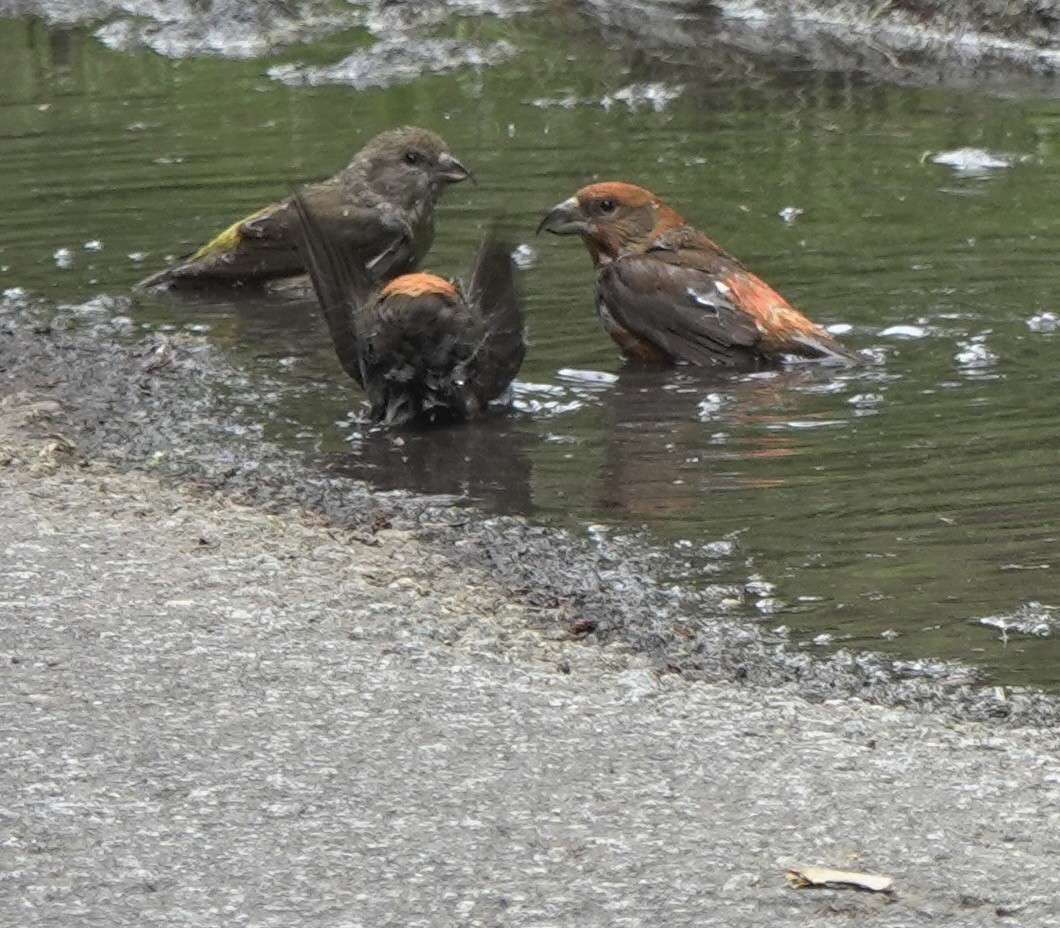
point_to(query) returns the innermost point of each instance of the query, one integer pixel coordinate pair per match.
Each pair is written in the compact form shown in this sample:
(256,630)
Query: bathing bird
(425,350)
(381,205)
(666,293)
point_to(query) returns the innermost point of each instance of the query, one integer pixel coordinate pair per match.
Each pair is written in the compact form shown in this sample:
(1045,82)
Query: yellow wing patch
(227,240)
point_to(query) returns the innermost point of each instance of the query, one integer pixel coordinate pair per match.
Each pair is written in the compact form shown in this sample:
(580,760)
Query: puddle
(882,507)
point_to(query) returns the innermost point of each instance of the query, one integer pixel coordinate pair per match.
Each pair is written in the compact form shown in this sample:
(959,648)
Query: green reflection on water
(915,496)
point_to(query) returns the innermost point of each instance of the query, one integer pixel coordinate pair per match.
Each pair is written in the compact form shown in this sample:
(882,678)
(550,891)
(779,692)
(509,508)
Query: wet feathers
(665,292)
(425,350)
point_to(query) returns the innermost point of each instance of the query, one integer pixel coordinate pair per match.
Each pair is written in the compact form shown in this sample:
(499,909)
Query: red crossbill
(381,205)
(424,349)
(665,292)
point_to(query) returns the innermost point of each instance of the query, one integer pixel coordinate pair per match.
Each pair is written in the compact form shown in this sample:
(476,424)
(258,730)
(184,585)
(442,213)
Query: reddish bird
(665,292)
(423,348)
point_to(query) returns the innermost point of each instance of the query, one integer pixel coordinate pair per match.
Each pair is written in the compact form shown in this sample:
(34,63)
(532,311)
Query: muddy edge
(175,406)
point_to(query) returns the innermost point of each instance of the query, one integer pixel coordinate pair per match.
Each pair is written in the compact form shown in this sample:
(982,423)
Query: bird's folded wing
(380,238)
(265,244)
(682,310)
(227,240)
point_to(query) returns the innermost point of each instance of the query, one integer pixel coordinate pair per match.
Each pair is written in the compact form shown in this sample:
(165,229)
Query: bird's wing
(264,245)
(783,329)
(381,238)
(683,311)
(491,289)
(230,237)
(341,283)
(232,255)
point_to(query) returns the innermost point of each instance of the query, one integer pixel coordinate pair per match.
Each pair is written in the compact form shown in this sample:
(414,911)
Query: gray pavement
(212,715)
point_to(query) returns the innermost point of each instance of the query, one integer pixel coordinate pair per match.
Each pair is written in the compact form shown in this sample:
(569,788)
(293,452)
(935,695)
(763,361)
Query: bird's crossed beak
(450,170)
(566,218)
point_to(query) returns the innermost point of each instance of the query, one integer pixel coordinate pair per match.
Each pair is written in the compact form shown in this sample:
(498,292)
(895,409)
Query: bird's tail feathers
(156,281)
(828,349)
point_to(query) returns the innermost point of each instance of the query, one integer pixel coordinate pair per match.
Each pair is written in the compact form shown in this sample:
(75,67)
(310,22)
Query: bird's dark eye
(607,206)
(414,157)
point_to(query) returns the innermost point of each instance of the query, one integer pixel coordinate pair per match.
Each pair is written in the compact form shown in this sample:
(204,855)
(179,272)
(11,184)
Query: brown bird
(381,205)
(665,292)
(424,349)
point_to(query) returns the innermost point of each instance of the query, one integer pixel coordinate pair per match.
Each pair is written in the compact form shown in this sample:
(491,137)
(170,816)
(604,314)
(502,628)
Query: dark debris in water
(174,405)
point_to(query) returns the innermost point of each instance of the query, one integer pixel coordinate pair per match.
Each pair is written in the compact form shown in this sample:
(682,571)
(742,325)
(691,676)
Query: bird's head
(614,218)
(420,284)
(408,166)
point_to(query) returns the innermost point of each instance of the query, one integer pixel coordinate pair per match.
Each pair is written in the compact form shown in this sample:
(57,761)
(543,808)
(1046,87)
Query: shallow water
(891,507)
